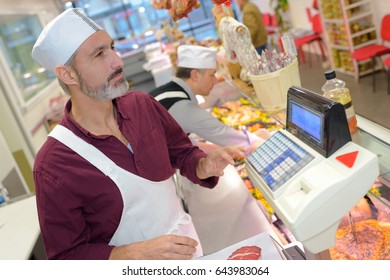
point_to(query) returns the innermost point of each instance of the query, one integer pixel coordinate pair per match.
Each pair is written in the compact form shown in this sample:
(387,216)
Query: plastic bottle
(336,90)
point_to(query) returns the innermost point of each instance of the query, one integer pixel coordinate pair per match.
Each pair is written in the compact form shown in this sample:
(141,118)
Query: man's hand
(207,147)
(166,247)
(217,160)
(263,135)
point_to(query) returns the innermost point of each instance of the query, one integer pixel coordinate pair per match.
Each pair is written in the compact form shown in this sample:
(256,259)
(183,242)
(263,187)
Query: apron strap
(84,149)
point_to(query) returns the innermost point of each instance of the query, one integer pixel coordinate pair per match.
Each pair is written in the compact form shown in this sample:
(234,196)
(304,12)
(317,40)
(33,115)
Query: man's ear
(66,74)
(194,75)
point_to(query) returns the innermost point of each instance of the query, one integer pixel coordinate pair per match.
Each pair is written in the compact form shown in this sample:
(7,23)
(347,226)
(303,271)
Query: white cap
(196,57)
(62,37)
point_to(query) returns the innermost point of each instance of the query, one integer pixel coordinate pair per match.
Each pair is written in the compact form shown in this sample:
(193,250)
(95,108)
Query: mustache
(116,72)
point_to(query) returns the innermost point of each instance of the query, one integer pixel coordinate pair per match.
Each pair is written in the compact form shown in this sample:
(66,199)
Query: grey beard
(107,91)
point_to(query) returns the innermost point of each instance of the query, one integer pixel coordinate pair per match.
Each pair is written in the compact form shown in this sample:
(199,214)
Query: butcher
(103,177)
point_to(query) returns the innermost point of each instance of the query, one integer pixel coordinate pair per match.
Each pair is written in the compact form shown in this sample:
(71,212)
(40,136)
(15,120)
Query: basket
(271,89)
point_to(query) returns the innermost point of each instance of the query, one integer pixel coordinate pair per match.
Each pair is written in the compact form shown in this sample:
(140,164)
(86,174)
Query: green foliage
(280,8)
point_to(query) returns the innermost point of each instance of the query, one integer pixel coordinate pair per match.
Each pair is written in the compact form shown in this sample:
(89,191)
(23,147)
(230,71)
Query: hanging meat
(181,8)
(177,8)
(219,2)
(161,4)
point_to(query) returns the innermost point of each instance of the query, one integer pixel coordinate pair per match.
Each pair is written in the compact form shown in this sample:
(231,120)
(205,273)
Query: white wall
(380,7)
(298,14)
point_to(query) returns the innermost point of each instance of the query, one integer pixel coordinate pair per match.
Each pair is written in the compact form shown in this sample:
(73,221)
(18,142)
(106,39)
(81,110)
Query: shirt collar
(73,125)
(188,90)
(82,132)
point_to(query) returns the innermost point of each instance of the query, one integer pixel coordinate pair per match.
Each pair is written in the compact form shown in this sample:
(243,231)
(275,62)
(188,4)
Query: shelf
(356,29)
(339,47)
(360,16)
(365,44)
(368,71)
(354,5)
(334,21)
(341,70)
(365,31)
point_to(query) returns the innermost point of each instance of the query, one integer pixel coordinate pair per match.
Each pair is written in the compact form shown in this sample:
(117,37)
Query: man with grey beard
(103,177)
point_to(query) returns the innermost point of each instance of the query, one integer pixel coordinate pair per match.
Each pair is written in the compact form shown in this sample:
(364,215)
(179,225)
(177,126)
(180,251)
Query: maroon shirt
(79,208)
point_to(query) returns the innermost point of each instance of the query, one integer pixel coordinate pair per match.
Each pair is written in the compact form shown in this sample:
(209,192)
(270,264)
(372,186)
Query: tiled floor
(374,106)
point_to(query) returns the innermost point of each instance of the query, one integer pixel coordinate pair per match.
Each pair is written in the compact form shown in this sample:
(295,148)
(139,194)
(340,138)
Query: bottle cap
(331,74)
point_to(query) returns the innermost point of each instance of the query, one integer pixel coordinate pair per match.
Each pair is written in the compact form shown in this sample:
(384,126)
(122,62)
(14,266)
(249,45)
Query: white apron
(150,209)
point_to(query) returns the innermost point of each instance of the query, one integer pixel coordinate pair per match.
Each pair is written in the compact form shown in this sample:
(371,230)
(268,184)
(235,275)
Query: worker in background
(253,19)
(103,177)
(195,75)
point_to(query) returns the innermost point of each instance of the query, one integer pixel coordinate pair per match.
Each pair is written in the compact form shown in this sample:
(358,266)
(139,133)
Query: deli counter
(363,232)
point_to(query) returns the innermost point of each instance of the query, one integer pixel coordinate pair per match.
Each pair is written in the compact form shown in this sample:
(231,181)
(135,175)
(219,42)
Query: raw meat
(246,253)
(361,211)
(372,242)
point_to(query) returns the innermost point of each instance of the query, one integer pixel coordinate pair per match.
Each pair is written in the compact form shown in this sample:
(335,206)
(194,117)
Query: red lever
(348,159)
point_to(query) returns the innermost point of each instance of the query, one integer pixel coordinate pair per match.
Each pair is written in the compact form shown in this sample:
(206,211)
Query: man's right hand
(166,247)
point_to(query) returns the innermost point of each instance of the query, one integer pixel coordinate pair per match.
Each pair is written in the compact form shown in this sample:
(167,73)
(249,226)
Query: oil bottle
(336,90)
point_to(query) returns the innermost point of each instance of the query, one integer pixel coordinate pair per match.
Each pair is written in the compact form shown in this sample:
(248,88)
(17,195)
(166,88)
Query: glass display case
(18,33)
(364,232)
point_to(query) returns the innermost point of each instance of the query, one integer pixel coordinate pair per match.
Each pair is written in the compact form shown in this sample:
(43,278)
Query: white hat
(196,57)
(62,37)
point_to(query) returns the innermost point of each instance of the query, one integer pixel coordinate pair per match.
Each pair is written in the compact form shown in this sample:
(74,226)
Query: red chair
(312,38)
(374,51)
(268,24)
(315,5)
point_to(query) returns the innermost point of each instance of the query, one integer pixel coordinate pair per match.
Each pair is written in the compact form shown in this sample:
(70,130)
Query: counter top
(226,214)
(19,229)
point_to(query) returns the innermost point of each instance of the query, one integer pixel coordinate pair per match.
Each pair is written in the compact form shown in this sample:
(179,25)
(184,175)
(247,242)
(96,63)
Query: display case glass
(363,233)
(18,33)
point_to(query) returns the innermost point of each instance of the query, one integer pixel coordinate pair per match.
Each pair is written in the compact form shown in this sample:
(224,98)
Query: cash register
(311,172)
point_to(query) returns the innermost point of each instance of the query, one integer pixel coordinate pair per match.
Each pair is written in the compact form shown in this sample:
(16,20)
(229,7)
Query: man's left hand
(217,160)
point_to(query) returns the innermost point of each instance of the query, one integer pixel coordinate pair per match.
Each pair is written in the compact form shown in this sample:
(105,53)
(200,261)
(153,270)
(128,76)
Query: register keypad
(278,159)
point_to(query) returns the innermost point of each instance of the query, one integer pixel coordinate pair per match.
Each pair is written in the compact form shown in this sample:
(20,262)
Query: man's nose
(117,61)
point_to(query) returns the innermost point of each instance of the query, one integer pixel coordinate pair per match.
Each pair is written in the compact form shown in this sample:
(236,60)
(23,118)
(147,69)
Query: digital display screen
(307,120)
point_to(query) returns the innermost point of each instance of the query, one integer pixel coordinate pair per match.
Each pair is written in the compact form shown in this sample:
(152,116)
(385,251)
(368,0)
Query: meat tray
(269,251)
